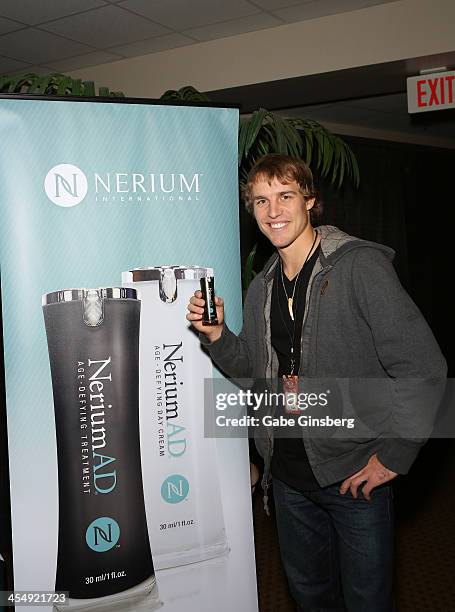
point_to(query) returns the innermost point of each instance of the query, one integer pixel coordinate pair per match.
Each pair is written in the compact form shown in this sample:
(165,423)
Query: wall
(382,33)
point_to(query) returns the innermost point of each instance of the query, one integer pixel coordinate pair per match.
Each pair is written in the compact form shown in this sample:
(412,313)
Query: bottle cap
(92,300)
(167,276)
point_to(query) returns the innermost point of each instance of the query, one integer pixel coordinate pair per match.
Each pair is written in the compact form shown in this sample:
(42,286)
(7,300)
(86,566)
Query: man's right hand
(196,310)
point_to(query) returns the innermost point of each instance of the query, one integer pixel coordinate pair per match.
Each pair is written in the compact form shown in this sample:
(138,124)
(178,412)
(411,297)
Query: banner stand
(93,188)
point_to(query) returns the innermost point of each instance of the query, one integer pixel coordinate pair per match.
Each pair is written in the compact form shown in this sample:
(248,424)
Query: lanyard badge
(291,393)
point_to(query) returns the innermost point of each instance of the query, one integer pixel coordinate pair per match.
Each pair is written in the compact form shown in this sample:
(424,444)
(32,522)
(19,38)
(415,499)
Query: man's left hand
(373,474)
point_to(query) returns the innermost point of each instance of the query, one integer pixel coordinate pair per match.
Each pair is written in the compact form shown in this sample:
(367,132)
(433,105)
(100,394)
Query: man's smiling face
(282,212)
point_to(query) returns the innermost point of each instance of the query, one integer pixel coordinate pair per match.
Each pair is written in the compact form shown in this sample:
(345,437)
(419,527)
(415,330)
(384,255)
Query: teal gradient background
(44,247)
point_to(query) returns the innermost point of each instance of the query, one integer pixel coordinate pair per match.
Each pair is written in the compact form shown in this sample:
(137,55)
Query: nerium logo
(66,185)
(102,534)
(175,489)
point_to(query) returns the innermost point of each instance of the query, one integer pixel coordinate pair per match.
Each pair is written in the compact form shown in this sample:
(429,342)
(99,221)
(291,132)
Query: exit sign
(431,92)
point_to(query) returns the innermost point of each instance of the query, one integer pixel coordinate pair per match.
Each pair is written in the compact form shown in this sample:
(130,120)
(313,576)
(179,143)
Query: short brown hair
(285,169)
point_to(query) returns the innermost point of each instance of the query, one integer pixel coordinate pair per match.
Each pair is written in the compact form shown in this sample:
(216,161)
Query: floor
(425,540)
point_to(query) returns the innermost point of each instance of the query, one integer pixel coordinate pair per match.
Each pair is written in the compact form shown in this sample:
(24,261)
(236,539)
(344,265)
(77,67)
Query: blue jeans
(337,551)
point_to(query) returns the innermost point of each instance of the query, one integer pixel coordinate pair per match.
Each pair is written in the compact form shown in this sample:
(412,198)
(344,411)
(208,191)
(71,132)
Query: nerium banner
(90,190)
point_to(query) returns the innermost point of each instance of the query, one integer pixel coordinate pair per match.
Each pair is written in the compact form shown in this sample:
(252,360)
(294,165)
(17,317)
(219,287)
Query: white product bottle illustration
(181,484)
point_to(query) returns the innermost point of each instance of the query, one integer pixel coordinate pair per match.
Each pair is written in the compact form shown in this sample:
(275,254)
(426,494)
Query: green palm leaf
(248,271)
(266,132)
(185,94)
(51,84)
(256,122)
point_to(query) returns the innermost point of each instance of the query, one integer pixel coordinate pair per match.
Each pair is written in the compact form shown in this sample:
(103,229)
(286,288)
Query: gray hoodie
(359,323)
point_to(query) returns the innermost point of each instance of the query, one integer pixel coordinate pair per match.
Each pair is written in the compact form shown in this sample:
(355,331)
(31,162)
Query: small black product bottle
(208,294)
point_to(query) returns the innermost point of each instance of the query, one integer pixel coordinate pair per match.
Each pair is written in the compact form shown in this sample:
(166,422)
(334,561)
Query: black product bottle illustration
(93,341)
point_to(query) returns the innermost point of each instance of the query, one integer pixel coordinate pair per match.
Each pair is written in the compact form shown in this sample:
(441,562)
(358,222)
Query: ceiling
(384,117)
(43,36)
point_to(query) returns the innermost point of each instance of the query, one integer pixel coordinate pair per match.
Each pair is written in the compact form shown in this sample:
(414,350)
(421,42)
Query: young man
(330,305)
